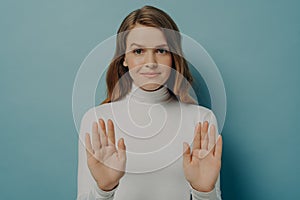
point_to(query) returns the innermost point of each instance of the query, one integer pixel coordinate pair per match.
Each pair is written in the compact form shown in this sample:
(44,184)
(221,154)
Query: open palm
(106,163)
(202,166)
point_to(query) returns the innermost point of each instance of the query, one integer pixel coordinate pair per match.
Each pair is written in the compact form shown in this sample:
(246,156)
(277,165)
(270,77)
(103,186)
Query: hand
(202,167)
(105,162)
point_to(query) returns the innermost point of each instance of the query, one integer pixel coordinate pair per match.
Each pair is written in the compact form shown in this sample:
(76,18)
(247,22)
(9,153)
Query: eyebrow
(139,45)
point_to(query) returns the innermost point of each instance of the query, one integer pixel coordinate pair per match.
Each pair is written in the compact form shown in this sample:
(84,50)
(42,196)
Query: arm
(87,188)
(215,194)
(202,162)
(98,159)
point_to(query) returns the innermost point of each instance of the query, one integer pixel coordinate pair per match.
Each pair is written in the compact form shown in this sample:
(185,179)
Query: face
(147,57)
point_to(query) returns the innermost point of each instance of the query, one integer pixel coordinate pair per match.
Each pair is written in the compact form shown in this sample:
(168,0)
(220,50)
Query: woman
(149,80)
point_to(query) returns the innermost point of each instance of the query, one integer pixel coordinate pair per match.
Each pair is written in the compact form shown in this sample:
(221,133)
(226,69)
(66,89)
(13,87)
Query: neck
(151,90)
(158,95)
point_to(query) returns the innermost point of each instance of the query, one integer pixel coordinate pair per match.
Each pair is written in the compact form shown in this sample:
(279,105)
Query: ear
(125,63)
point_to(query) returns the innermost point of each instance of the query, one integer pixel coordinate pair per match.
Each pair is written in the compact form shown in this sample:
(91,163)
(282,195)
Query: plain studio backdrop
(255,45)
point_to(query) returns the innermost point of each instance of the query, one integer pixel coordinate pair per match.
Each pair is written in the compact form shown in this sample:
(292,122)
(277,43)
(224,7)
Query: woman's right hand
(105,162)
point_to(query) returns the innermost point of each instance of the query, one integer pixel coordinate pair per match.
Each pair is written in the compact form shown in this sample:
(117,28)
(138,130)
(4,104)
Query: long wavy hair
(118,81)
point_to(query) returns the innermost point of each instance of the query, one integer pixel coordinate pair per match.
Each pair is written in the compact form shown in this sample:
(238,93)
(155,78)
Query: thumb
(186,153)
(121,148)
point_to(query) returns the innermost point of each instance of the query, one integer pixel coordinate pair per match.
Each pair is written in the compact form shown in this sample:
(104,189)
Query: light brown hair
(180,81)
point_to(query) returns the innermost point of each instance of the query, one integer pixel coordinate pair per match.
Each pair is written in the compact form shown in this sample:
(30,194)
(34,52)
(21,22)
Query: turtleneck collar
(157,96)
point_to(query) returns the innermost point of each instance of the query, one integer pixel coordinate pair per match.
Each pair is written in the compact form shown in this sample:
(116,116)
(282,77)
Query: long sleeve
(215,194)
(168,183)
(96,193)
(87,187)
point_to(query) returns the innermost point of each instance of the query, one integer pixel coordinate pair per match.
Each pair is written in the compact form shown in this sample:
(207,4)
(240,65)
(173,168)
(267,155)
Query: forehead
(146,36)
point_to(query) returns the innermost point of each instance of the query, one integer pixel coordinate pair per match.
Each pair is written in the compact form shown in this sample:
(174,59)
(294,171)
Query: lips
(150,74)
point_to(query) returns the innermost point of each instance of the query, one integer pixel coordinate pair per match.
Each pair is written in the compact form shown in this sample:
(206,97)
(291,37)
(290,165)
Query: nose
(150,60)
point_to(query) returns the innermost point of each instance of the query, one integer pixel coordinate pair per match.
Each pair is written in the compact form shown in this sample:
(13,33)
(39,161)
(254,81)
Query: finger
(199,153)
(121,144)
(211,137)
(197,137)
(95,137)
(111,133)
(102,132)
(204,129)
(186,154)
(88,146)
(218,150)
(121,148)
(204,137)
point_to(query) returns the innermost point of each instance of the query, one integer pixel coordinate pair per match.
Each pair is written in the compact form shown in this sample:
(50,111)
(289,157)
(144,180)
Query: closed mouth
(150,74)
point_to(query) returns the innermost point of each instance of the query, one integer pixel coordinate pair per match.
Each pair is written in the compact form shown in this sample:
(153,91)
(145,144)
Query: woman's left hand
(202,166)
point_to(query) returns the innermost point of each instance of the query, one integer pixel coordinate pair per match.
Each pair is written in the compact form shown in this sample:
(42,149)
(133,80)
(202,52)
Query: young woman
(149,108)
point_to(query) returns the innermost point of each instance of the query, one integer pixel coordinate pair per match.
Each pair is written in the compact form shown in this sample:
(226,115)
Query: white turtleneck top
(154,125)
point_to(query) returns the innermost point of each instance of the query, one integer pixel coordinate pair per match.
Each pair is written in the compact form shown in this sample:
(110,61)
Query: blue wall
(255,44)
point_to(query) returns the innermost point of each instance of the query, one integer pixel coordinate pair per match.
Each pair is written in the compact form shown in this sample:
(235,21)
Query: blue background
(255,44)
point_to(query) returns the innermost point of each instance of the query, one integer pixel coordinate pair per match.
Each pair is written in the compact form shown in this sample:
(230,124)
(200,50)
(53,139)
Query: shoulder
(93,114)
(198,108)
(199,112)
(96,112)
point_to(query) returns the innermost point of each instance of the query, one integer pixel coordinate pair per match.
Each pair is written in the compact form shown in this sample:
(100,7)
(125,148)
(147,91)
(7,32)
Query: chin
(151,87)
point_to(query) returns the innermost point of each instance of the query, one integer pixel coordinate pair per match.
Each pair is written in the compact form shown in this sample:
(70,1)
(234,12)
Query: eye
(138,51)
(162,51)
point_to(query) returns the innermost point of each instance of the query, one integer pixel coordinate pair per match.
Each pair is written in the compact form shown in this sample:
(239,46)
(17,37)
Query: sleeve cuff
(104,195)
(196,195)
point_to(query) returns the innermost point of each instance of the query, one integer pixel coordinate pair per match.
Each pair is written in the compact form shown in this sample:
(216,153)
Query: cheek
(167,72)
(167,61)
(134,62)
